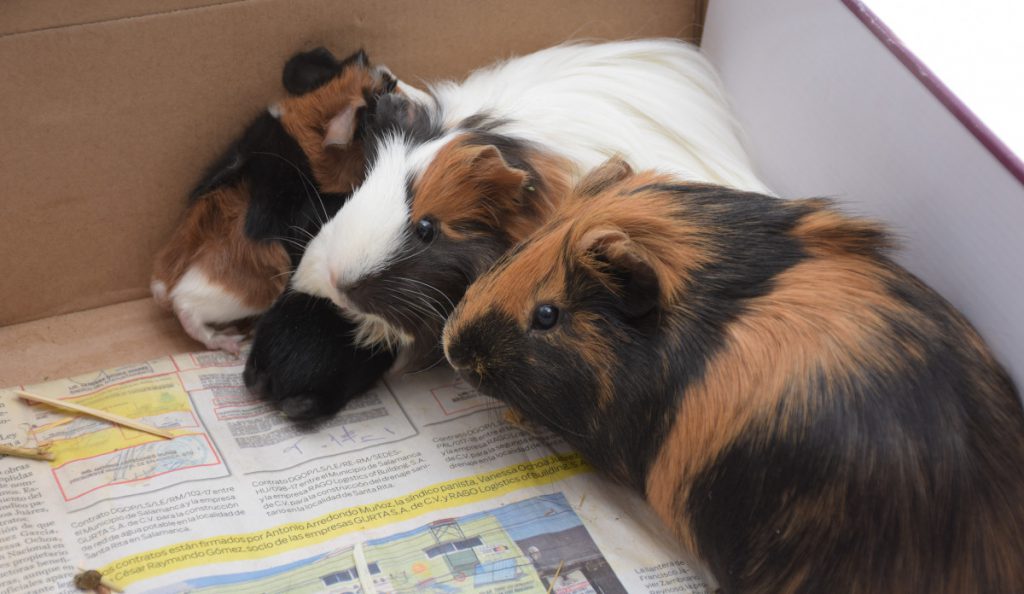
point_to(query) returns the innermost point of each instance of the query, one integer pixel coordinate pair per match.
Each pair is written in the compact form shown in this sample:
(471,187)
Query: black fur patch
(280,180)
(303,360)
(308,71)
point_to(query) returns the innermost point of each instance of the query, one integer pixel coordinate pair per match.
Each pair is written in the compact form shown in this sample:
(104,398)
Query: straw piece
(551,586)
(100,414)
(33,453)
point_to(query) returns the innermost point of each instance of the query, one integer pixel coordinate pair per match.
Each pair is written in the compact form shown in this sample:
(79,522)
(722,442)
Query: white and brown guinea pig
(449,190)
(250,217)
(805,414)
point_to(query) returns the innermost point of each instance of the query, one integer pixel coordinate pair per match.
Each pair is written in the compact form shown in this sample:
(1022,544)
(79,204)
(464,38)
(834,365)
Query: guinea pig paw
(258,382)
(225,341)
(211,338)
(300,408)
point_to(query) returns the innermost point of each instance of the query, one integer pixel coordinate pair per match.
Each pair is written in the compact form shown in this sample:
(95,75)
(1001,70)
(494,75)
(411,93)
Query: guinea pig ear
(308,71)
(341,129)
(624,267)
(604,176)
(358,58)
(501,182)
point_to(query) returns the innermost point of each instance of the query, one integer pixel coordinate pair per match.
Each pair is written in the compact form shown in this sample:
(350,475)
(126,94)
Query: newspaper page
(420,485)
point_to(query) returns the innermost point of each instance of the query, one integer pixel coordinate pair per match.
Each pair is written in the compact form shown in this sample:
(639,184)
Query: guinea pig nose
(457,355)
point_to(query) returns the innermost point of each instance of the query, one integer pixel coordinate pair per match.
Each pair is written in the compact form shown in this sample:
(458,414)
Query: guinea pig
(806,415)
(453,184)
(258,204)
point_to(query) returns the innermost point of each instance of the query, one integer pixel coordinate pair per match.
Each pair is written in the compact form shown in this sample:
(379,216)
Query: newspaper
(420,485)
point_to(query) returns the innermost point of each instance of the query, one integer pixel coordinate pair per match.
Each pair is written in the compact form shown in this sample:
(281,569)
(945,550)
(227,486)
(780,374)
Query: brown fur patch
(826,231)
(819,317)
(212,237)
(469,184)
(600,178)
(337,169)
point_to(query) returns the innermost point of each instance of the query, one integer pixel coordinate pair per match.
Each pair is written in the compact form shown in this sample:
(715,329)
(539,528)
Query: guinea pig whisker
(432,288)
(404,317)
(410,254)
(307,184)
(288,272)
(428,367)
(435,305)
(418,308)
(426,307)
(303,231)
(290,240)
(540,413)
(407,298)
(300,245)
(400,312)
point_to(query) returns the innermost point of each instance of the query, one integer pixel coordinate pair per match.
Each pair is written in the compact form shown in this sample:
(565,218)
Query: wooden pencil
(99,414)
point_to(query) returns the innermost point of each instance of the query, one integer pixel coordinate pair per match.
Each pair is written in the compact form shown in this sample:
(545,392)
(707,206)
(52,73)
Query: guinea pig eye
(426,230)
(545,316)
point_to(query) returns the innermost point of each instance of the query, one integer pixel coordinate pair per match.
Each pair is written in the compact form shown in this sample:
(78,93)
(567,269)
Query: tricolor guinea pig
(454,184)
(806,415)
(258,204)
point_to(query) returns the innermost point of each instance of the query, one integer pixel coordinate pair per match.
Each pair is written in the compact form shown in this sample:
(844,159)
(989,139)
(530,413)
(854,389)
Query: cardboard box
(111,110)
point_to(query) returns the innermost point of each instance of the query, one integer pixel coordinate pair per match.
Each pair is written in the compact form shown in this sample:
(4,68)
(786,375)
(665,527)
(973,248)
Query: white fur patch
(657,103)
(373,330)
(199,302)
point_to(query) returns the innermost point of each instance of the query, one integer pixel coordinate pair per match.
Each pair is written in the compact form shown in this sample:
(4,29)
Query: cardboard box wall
(111,110)
(829,110)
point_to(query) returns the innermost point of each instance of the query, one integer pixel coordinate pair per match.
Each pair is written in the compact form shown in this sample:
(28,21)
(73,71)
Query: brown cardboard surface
(86,341)
(20,16)
(108,124)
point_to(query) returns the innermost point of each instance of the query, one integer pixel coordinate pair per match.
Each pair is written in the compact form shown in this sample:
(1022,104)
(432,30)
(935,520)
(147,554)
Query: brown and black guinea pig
(805,414)
(248,220)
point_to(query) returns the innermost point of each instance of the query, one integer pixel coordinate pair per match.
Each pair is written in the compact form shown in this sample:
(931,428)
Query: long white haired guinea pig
(452,186)
(806,415)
